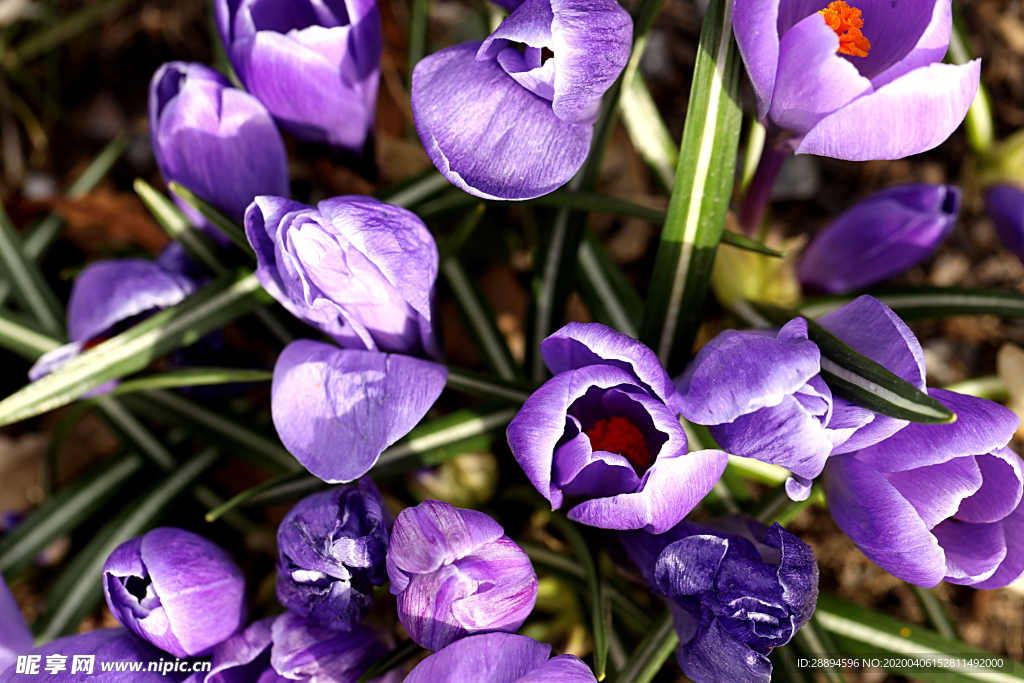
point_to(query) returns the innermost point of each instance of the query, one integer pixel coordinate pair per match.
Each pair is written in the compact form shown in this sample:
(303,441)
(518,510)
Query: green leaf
(418,17)
(647,130)
(861,631)
(477,385)
(391,661)
(65,511)
(27,283)
(173,221)
(930,303)
(216,304)
(651,654)
(18,334)
(53,34)
(227,226)
(861,380)
(192,377)
(813,641)
(700,197)
(734,239)
(416,191)
(79,588)
(245,496)
(604,287)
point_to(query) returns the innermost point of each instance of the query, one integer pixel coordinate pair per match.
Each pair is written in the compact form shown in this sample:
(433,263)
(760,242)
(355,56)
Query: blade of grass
(18,334)
(936,613)
(54,34)
(932,303)
(392,660)
(26,280)
(604,287)
(472,383)
(418,17)
(173,221)
(647,130)
(227,226)
(192,377)
(652,652)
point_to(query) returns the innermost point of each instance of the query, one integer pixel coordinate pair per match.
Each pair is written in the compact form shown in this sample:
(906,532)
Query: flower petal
(1001,489)
(931,46)
(336,410)
(486,133)
(489,657)
(1012,567)
(713,655)
(754,23)
(936,491)
(973,551)
(560,669)
(689,566)
(242,653)
(15,638)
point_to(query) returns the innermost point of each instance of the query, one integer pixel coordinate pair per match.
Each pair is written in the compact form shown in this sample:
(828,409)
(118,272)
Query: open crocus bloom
(937,502)
(505,124)
(855,81)
(601,430)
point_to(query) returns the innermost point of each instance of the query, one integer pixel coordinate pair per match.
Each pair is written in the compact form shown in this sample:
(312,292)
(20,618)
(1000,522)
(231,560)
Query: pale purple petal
(973,551)
(754,23)
(486,658)
(936,491)
(304,651)
(1000,493)
(244,656)
(15,637)
(1005,205)
(1012,567)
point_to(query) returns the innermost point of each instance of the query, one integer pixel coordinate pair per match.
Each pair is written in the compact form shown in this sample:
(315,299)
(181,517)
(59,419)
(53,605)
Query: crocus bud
(332,547)
(501,123)
(601,433)
(737,589)
(217,141)
(315,65)
(499,658)
(455,574)
(1005,205)
(860,80)
(882,236)
(176,589)
(87,652)
(15,638)
(355,268)
(937,502)
(336,410)
(762,396)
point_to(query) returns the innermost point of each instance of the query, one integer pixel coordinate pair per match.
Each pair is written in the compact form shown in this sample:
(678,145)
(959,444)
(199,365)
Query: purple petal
(931,47)
(813,80)
(529,24)
(754,23)
(910,115)
(936,491)
(580,471)
(713,655)
(1005,205)
(486,658)
(881,522)
(981,427)
(689,566)
(51,360)
(324,399)
(973,551)
(560,669)
(578,345)
(879,237)
(244,656)
(15,637)
(1012,567)
(486,133)
(1000,492)
(304,651)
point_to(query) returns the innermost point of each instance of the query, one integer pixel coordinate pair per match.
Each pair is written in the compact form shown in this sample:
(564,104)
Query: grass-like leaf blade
(931,303)
(652,652)
(391,661)
(227,226)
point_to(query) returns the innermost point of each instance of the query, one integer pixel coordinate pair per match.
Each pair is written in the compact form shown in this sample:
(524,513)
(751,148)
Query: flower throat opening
(619,435)
(846,21)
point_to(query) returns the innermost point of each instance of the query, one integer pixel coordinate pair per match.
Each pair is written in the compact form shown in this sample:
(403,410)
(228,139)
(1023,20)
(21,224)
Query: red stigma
(619,435)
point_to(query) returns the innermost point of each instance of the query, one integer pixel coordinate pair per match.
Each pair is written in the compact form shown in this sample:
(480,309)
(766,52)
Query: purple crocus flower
(762,396)
(108,293)
(937,502)
(217,141)
(499,658)
(355,268)
(736,589)
(854,81)
(315,65)
(15,638)
(104,645)
(456,573)
(332,546)
(336,410)
(884,235)
(1005,204)
(600,431)
(176,589)
(501,123)
(289,648)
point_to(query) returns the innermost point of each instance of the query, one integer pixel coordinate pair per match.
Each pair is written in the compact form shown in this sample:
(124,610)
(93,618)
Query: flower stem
(755,201)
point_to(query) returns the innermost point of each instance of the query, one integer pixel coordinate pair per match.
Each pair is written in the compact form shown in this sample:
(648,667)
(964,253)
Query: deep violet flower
(1005,205)
(600,431)
(736,589)
(336,410)
(456,574)
(854,81)
(15,638)
(331,554)
(937,502)
(314,64)
(504,124)
(104,645)
(289,648)
(217,141)
(762,396)
(175,589)
(884,235)
(499,658)
(355,268)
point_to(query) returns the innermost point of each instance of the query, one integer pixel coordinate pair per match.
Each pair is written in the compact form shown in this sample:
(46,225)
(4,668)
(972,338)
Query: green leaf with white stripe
(930,303)
(609,295)
(192,377)
(700,196)
(859,379)
(173,221)
(218,303)
(27,283)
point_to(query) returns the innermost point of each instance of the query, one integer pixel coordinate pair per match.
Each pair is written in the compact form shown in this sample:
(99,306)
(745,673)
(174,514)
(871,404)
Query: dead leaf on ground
(107,219)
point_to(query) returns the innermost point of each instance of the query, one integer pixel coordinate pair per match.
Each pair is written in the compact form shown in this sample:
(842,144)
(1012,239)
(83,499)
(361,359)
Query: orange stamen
(619,435)
(846,21)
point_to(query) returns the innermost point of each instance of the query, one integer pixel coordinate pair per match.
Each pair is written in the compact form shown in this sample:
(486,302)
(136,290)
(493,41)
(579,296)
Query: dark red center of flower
(619,435)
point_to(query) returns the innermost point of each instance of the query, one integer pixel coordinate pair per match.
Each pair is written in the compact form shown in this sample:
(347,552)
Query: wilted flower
(15,638)
(1005,205)
(763,398)
(456,573)
(600,430)
(736,588)
(176,589)
(217,141)
(937,502)
(355,268)
(499,658)
(879,237)
(105,645)
(315,65)
(332,547)
(504,124)
(336,410)
(854,81)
